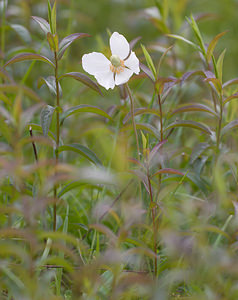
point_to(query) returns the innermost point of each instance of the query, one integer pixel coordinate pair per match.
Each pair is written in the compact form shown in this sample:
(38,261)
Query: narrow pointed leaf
(192,108)
(146,127)
(213,44)
(45,118)
(28,56)
(215,83)
(147,71)
(198,150)
(230,82)
(220,65)
(50,83)
(149,61)
(22,32)
(156,149)
(168,171)
(53,18)
(45,26)
(140,111)
(228,99)
(84,79)
(84,108)
(82,150)
(68,40)
(191,124)
(178,37)
(229,126)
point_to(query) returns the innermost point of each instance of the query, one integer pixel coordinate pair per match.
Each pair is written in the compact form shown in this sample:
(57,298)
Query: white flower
(118,70)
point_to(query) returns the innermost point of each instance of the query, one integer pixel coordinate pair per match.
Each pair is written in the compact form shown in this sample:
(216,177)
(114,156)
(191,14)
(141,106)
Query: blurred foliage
(83,213)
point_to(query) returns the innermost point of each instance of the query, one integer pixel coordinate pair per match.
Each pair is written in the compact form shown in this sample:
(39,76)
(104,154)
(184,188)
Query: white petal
(119,45)
(95,62)
(123,77)
(133,63)
(106,79)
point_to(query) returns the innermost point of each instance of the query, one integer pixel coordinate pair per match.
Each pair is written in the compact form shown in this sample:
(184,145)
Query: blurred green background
(133,18)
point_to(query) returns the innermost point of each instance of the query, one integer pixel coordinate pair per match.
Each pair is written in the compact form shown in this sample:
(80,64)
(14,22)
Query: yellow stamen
(118,69)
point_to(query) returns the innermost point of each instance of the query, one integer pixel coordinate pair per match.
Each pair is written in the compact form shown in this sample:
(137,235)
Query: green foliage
(123,194)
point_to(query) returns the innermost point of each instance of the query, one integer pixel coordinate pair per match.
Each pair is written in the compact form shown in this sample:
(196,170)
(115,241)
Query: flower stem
(133,120)
(57,135)
(161,118)
(152,204)
(219,126)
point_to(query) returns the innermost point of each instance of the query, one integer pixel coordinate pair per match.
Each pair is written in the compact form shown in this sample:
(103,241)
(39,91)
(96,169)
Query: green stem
(219,126)
(3,25)
(154,223)
(161,118)
(133,120)
(57,133)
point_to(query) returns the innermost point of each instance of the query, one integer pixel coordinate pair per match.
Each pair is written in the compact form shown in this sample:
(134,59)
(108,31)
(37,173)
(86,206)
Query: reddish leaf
(191,124)
(193,107)
(68,40)
(45,26)
(140,111)
(84,79)
(228,99)
(168,171)
(28,56)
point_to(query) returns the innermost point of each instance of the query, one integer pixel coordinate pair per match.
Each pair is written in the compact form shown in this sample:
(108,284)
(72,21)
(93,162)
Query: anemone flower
(118,70)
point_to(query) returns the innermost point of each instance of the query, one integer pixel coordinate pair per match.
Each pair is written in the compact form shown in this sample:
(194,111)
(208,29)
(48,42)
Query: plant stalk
(154,223)
(57,135)
(161,118)
(133,120)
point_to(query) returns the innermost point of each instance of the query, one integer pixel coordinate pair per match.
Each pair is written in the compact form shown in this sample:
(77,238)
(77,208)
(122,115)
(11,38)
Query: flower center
(117,65)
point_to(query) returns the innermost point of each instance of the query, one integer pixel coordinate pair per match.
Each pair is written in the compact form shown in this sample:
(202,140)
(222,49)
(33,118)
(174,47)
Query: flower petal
(106,79)
(123,77)
(133,63)
(95,62)
(119,45)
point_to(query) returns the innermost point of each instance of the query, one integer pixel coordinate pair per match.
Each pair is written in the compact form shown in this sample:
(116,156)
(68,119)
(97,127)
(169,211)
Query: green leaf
(215,83)
(14,88)
(51,84)
(191,124)
(53,18)
(68,40)
(49,16)
(161,82)
(230,82)
(28,56)
(213,44)
(53,42)
(84,108)
(22,32)
(220,64)
(168,171)
(149,61)
(82,150)
(141,111)
(37,127)
(146,127)
(228,99)
(77,184)
(198,150)
(193,107)
(233,124)
(198,35)
(84,79)
(178,37)
(45,118)
(45,26)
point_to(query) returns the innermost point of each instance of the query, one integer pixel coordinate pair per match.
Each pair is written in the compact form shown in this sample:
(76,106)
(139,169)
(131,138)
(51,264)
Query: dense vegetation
(126,193)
